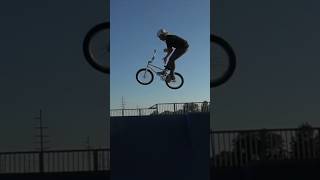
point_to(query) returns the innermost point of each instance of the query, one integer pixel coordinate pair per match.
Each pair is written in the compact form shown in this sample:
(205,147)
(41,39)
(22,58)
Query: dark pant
(175,55)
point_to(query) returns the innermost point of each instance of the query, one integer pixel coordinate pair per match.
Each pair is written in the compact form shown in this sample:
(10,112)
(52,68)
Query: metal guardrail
(234,148)
(238,148)
(93,160)
(163,109)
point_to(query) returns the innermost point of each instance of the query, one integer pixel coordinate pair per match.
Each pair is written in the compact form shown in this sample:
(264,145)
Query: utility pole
(123,104)
(88,147)
(88,143)
(41,141)
(139,110)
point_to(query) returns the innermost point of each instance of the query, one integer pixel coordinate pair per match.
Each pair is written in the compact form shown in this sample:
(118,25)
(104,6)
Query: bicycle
(95,48)
(224,61)
(145,75)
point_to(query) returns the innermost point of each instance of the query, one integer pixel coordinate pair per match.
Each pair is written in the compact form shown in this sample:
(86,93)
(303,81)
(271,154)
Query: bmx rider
(176,47)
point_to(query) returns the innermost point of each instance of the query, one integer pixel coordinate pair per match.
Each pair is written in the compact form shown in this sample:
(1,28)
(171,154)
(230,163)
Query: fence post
(212,146)
(41,169)
(95,160)
(108,159)
(317,144)
(157,108)
(263,146)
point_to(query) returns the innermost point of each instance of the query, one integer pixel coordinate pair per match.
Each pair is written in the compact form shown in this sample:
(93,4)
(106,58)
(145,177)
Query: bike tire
(180,85)
(141,71)
(231,58)
(86,46)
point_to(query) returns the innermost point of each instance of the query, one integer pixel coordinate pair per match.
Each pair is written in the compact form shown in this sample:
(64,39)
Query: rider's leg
(175,55)
(170,65)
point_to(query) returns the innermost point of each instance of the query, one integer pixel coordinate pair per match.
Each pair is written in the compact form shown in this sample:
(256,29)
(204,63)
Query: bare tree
(205,106)
(304,143)
(191,107)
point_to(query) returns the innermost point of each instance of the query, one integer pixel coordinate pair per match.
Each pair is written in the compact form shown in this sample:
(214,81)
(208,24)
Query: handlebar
(154,53)
(153,56)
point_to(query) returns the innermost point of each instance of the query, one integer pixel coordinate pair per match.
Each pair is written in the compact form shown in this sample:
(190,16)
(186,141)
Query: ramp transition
(160,147)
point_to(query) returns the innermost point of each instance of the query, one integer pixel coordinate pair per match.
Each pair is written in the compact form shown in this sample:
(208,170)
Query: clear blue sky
(133,38)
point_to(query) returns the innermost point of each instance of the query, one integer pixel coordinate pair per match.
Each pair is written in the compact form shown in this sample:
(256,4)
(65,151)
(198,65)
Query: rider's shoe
(161,73)
(170,78)
(173,78)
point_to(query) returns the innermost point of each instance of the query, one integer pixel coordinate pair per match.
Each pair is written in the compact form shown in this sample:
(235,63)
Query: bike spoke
(144,76)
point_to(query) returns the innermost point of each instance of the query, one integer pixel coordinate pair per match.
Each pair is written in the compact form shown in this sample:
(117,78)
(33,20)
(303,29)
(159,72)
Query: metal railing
(93,160)
(163,109)
(234,148)
(238,148)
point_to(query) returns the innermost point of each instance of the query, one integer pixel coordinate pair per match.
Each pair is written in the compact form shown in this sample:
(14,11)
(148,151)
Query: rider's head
(162,33)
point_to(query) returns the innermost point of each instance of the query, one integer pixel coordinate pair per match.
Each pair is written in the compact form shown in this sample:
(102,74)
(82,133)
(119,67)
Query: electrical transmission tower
(41,140)
(88,145)
(123,105)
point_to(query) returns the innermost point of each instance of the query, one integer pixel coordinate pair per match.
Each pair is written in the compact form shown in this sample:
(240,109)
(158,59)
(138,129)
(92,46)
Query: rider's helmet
(162,32)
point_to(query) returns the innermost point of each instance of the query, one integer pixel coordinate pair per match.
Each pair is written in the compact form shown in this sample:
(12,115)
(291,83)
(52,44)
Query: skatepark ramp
(160,147)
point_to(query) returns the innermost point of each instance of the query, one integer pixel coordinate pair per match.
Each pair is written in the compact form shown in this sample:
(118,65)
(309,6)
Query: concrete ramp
(160,147)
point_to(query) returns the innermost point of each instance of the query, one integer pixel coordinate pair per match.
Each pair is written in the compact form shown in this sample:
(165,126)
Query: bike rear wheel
(223,61)
(144,76)
(96,47)
(177,83)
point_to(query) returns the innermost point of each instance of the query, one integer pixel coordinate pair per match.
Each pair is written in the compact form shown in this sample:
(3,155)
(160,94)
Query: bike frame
(151,66)
(153,69)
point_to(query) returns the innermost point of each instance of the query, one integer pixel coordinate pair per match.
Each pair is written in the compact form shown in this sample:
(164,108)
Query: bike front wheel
(177,83)
(223,61)
(96,47)
(144,76)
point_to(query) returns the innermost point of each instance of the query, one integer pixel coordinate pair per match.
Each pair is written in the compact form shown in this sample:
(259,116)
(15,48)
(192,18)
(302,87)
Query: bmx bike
(146,75)
(223,60)
(96,47)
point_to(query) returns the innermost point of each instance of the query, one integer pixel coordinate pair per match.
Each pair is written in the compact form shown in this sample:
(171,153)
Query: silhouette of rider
(176,47)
